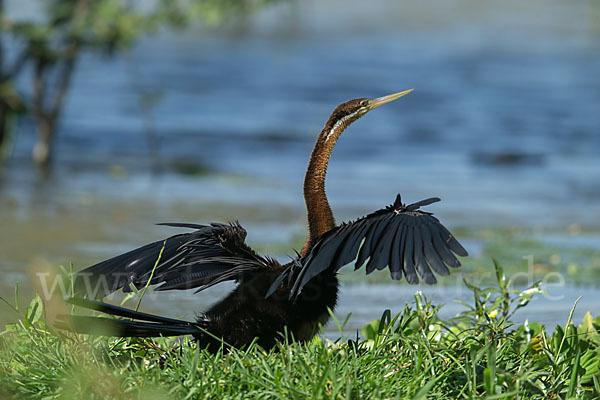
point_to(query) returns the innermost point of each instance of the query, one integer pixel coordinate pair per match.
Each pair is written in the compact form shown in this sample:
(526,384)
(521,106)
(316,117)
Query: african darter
(271,298)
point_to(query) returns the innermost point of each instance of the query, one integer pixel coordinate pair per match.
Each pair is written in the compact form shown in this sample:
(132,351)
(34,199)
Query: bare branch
(39,88)
(70,59)
(64,79)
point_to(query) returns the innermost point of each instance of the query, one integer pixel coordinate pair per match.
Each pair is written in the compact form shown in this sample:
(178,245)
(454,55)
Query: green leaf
(574,374)
(588,325)
(34,311)
(557,337)
(487,381)
(422,394)
(468,285)
(500,277)
(590,364)
(369,330)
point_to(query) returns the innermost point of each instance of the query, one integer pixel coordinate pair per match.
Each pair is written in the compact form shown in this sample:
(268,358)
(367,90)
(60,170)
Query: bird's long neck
(320,217)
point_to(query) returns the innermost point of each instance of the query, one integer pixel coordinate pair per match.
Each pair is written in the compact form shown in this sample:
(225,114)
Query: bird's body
(271,299)
(246,314)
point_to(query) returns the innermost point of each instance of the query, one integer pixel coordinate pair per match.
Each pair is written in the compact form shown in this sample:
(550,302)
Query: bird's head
(351,110)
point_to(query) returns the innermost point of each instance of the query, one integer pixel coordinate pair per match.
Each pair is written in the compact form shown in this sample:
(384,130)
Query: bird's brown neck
(320,217)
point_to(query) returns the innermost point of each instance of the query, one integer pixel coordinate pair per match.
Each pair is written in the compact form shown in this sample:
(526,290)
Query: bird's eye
(364,103)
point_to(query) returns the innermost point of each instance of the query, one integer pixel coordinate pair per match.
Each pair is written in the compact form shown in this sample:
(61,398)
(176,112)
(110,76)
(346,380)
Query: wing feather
(396,254)
(420,262)
(431,255)
(381,254)
(412,243)
(449,258)
(211,254)
(451,242)
(355,237)
(409,256)
(372,238)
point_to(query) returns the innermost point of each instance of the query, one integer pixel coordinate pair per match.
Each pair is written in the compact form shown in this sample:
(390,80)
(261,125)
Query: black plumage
(412,248)
(270,298)
(212,254)
(143,324)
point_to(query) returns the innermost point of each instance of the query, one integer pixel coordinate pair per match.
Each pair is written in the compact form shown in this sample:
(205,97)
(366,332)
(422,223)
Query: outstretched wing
(411,242)
(211,254)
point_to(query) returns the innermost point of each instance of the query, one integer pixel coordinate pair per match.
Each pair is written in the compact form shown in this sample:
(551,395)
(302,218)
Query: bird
(271,301)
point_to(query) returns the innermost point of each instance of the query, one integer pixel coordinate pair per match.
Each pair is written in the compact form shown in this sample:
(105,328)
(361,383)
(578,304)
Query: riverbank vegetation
(414,354)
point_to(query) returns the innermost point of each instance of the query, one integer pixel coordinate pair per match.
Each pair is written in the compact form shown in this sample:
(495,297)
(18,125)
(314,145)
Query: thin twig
(151,275)
(569,322)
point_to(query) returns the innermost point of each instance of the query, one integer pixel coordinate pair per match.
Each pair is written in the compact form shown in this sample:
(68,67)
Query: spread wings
(212,254)
(411,242)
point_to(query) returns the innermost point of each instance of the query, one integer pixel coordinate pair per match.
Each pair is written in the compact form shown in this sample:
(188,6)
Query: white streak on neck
(339,123)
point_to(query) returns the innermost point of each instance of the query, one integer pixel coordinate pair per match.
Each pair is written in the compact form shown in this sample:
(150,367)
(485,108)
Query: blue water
(503,125)
(490,81)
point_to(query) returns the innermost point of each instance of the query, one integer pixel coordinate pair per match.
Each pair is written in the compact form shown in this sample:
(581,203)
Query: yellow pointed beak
(386,99)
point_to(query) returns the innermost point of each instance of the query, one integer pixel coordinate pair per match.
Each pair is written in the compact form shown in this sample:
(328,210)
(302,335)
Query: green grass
(414,355)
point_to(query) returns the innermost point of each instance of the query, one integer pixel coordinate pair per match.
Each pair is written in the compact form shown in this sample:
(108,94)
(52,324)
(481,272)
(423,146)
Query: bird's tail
(141,325)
